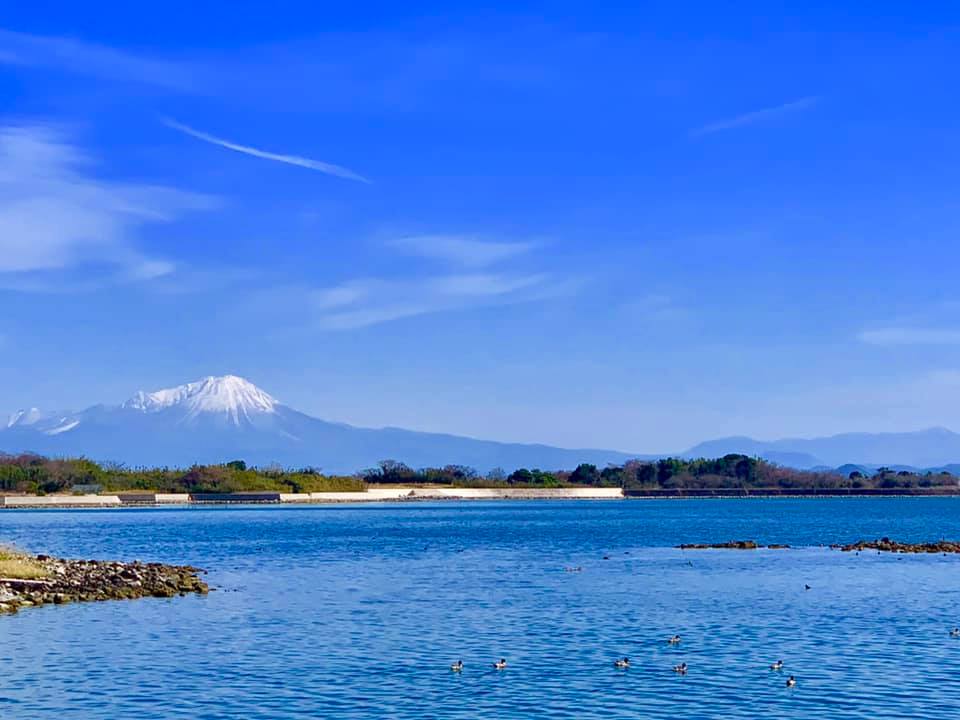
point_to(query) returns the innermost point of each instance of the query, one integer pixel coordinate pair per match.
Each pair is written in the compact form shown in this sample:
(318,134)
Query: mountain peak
(229,395)
(26,417)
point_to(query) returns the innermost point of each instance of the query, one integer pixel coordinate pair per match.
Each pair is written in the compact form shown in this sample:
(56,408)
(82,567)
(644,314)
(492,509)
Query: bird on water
(675,640)
(955,632)
(778,665)
(457,666)
(680,669)
(622,662)
(500,664)
(791,682)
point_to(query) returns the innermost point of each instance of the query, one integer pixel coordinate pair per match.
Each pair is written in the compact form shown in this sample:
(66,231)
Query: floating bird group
(623,663)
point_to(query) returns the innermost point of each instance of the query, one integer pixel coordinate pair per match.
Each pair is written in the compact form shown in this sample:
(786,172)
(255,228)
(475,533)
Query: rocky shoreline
(731,545)
(884,544)
(887,545)
(58,581)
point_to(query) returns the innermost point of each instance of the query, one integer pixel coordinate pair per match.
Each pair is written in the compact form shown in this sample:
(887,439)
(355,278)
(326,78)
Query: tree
(613,476)
(585,474)
(744,469)
(497,475)
(667,468)
(521,475)
(392,471)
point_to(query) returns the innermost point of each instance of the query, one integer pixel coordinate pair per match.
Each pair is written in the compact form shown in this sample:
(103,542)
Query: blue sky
(631,228)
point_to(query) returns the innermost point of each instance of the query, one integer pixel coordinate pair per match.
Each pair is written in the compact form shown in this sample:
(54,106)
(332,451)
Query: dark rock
(885,544)
(731,545)
(93,580)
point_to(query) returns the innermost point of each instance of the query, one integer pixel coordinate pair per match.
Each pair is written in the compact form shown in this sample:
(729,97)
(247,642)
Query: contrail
(328,168)
(755,116)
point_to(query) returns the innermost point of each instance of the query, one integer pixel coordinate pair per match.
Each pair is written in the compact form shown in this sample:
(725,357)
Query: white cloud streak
(462,250)
(756,116)
(56,215)
(82,58)
(328,168)
(361,303)
(895,336)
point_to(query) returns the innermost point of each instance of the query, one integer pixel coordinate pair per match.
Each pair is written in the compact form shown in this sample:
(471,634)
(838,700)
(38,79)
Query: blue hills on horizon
(218,419)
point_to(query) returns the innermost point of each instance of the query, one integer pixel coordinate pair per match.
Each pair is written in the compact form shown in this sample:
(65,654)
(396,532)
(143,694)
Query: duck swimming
(791,681)
(778,665)
(622,662)
(675,640)
(955,632)
(680,669)
(457,666)
(500,664)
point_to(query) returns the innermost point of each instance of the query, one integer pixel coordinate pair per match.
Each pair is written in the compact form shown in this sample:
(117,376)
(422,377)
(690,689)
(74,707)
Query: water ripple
(358,612)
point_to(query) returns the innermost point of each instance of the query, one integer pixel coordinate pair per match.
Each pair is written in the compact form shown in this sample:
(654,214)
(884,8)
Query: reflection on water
(357,612)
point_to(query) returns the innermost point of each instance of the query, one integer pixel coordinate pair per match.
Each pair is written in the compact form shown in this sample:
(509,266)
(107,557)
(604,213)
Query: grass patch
(17,565)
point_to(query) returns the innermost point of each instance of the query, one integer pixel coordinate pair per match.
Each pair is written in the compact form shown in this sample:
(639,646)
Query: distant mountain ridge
(217,419)
(930,448)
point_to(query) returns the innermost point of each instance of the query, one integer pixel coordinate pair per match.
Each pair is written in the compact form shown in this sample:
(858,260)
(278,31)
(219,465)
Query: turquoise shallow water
(356,612)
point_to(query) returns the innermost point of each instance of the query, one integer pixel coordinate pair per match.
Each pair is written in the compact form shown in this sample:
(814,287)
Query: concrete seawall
(371,495)
(60,501)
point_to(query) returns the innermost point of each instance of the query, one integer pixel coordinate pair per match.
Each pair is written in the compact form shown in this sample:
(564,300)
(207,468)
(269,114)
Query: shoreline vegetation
(36,580)
(29,475)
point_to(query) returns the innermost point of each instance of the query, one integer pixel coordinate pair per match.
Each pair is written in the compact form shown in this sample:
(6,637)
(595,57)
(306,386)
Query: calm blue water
(357,612)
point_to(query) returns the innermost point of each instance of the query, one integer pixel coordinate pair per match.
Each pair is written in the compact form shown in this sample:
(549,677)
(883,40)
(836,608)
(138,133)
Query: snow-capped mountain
(217,419)
(232,397)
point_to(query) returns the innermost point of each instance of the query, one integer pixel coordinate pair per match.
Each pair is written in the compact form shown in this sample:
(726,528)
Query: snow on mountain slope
(230,396)
(49,423)
(23,418)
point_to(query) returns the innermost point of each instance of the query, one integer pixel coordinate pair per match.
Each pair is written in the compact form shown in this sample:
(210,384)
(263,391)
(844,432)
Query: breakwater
(944,491)
(399,494)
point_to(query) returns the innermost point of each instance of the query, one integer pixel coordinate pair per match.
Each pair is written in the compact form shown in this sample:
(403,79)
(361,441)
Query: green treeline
(730,471)
(38,475)
(33,474)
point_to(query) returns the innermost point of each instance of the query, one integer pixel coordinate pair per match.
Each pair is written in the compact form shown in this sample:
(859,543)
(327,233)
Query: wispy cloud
(82,58)
(361,303)
(462,250)
(56,215)
(297,160)
(756,116)
(467,281)
(910,336)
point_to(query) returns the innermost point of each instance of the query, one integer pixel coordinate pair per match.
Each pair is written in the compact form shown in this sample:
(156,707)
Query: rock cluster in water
(67,581)
(730,545)
(888,545)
